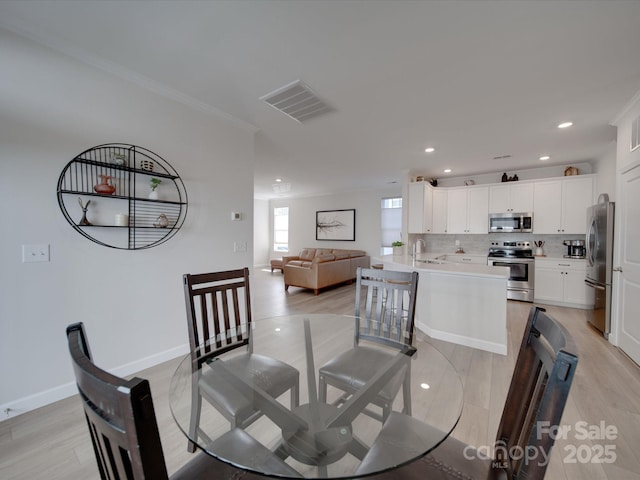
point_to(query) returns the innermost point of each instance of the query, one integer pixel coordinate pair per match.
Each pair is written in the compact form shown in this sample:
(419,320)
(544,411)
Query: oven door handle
(594,285)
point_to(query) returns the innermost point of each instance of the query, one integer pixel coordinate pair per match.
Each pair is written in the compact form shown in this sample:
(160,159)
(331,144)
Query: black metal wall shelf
(126,218)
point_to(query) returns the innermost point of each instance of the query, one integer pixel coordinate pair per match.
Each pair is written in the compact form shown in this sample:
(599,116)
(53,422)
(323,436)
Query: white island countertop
(439,262)
(462,301)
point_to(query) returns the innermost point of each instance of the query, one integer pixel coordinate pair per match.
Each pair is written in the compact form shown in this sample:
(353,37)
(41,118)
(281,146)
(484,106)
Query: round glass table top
(237,405)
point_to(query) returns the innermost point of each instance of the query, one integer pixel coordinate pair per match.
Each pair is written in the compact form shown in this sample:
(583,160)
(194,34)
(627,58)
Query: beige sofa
(316,268)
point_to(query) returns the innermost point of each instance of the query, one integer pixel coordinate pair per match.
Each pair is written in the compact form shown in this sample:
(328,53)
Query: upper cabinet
(468,210)
(560,205)
(439,211)
(511,197)
(420,218)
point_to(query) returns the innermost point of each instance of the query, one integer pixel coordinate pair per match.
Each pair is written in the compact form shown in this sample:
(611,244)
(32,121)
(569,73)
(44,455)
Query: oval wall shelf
(127,216)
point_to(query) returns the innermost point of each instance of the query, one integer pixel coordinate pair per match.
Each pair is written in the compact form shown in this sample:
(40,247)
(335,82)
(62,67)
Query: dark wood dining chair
(539,388)
(385,309)
(124,431)
(219,321)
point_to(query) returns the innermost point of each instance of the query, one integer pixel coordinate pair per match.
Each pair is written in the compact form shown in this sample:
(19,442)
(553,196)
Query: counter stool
(276,264)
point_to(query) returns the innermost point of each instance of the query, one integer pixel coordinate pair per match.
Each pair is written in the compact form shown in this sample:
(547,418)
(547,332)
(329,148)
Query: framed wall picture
(336,225)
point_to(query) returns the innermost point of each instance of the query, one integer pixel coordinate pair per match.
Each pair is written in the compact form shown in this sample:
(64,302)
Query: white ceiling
(474,79)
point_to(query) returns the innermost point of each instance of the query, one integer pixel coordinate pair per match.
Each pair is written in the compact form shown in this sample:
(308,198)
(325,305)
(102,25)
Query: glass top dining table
(321,439)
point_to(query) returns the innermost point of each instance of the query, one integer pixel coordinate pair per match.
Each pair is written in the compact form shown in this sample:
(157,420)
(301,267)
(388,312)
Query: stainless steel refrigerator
(599,243)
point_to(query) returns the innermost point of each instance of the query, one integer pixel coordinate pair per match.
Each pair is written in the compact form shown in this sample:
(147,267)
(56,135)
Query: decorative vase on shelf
(83,221)
(104,187)
(154,182)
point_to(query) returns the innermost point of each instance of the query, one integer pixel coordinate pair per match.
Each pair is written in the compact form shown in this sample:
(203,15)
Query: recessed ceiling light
(565,125)
(430,150)
(545,157)
(425,386)
(278,179)
(447,170)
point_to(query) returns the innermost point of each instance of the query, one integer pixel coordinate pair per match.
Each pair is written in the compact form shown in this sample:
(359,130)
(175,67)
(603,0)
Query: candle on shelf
(122,220)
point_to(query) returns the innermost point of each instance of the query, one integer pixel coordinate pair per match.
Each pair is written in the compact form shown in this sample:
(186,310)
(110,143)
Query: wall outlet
(35,253)
(239,246)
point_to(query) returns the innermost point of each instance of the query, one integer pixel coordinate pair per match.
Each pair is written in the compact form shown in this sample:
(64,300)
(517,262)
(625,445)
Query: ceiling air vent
(297,101)
(281,187)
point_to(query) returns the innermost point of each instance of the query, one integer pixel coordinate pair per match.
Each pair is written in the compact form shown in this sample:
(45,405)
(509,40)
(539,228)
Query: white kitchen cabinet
(511,197)
(560,281)
(420,216)
(439,211)
(560,205)
(468,210)
(577,196)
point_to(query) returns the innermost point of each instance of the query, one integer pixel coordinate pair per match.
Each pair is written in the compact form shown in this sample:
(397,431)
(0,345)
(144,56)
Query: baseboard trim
(40,399)
(492,347)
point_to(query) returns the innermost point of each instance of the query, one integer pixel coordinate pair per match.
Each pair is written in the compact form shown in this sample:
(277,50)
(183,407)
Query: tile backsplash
(479,244)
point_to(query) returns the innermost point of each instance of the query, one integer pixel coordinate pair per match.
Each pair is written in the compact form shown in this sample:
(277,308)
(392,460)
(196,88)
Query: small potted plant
(397,247)
(153,194)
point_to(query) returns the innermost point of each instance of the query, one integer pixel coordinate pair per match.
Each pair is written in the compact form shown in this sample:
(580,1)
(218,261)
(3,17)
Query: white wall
(262,235)
(302,219)
(51,109)
(605,170)
(623,122)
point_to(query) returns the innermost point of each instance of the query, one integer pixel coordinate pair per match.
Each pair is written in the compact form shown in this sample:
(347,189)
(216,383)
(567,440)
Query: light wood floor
(53,443)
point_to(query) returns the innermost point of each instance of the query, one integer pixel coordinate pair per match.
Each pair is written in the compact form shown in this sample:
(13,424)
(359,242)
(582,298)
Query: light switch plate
(35,253)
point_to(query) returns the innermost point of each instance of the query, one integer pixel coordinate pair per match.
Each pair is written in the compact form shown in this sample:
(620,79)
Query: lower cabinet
(561,282)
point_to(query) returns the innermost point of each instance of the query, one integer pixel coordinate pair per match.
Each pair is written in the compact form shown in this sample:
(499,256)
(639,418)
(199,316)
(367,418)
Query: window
(391,223)
(281,229)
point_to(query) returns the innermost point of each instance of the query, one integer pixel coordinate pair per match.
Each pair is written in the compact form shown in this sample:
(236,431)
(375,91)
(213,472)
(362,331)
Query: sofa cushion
(340,254)
(356,253)
(300,263)
(323,258)
(324,251)
(307,254)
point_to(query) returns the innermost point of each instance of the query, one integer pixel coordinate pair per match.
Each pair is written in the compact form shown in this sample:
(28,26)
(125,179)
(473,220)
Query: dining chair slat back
(218,308)
(124,431)
(388,311)
(537,395)
(219,320)
(539,389)
(385,307)
(120,417)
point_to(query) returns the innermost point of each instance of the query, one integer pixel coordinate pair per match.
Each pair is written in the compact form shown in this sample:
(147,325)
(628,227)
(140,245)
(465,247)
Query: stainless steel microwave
(511,222)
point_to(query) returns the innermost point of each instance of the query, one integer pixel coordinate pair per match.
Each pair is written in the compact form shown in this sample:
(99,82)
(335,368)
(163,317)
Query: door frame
(620,231)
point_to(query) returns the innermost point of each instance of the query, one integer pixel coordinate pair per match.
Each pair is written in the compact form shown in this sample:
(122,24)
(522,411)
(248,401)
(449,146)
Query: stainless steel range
(518,257)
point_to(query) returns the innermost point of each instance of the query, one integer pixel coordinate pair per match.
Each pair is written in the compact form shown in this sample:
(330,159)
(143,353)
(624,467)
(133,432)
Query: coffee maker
(575,248)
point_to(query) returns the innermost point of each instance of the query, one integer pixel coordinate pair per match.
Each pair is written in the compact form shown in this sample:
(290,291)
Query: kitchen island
(462,303)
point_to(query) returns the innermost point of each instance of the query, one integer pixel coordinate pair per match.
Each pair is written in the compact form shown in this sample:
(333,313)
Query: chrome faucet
(415,247)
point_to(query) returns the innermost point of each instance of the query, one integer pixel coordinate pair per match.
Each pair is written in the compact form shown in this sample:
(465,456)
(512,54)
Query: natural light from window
(281,229)
(391,223)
